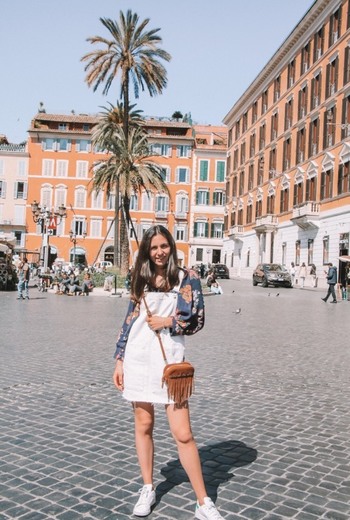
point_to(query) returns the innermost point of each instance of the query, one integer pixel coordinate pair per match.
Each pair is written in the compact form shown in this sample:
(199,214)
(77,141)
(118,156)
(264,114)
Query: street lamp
(73,238)
(48,220)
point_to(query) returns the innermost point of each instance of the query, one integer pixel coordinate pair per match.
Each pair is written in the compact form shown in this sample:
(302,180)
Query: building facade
(14,160)
(288,183)
(60,172)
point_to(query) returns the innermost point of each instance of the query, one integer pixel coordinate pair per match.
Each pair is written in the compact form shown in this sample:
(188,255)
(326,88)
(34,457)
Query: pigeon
(233,290)
(278,294)
(238,311)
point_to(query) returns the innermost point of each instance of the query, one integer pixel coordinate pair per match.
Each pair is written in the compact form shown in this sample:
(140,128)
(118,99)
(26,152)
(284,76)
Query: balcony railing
(236,231)
(267,220)
(306,215)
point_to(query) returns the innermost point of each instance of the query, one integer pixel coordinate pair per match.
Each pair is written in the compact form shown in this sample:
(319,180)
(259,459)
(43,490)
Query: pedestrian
(313,275)
(302,275)
(292,272)
(23,280)
(213,284)
(331,280)
(87,285)
(175,299)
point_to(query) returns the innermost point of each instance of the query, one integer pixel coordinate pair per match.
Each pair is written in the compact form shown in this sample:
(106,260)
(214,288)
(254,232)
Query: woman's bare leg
(180,426)
(144,422)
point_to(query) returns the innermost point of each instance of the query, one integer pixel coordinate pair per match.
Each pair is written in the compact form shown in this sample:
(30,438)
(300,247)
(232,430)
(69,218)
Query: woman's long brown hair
(144,272)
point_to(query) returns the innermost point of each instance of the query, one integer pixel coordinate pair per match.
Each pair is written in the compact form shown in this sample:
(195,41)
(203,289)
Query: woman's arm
(189,317)
(132,313)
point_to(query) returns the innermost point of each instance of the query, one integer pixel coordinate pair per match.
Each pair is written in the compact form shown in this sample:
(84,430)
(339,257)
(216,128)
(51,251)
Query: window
(241,183)
(325,250)
(2,189)
(147,202)
(262,132)
(82,168)
(165,174)
(305,58)
(61,168)
(21,169)
(260,179)
(334,27)
(20,190)
(60,196)
(258,208)
(47,167)
(326,184)
(298,194)
(183,151)
(272,162)
(201,230)
(284,202)
(332,77)
(62,127)
(249,218)
(80,198)
(220,171)
(313,137)
(133,202)
(264,100)
(254,112)
(270,204)
(86,127)
(46,196)
(316,91)
(311,185)
(297,252)
(242,153)
(238,129)
(252,145)
(291,73)
(78,226)
(110,201)
(63,145)
(233,218)
(182,205)
(310,251)
(329,127)
(251,177)
(97,199)
(180,233)
(217,230)
(160,149)
(288,115)
(301,146)
(287,153)
(347,65)
(199,254)
(235,159)
(48,144)
(244,122)
(83,145)
(162,204)
(318,44)
(302,102)
(274,126)
(96,228)
(219,198)
(234,186)
(277,89)
(344,178)
(203,170)
(182,175)
(202,197)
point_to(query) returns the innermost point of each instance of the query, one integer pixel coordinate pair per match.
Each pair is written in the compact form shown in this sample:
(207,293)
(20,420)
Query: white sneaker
(146,501)
(207,511)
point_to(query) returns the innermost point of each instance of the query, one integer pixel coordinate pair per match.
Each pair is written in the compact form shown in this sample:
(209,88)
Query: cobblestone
(270,411)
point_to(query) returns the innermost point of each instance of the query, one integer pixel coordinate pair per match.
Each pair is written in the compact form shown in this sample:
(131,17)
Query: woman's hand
(118,376)
(158,322)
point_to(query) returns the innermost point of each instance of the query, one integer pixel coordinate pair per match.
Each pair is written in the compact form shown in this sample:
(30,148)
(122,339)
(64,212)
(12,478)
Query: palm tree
(130,170)
(133,54)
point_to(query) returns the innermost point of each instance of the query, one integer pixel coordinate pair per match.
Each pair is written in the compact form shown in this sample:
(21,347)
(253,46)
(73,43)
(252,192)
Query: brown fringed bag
(179,377)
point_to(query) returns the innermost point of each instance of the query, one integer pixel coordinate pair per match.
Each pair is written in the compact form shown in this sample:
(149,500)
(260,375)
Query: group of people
(300,275)
(71,286)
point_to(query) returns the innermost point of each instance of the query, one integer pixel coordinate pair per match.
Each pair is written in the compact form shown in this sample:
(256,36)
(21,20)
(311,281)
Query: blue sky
(217,48)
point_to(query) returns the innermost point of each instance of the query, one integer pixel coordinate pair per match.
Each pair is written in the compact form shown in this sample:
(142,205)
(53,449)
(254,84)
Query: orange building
(288,188)
(60,171)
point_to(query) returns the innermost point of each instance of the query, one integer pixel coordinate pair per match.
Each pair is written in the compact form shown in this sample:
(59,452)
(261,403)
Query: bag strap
(157,333)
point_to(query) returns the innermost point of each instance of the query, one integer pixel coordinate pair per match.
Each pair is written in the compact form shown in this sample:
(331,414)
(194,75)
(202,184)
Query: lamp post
(73,238)
(48,220)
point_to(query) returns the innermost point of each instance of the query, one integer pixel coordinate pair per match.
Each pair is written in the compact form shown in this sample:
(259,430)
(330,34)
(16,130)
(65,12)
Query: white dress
(143,361)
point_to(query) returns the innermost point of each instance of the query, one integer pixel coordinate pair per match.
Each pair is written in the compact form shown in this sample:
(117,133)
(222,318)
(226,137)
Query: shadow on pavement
(217,460)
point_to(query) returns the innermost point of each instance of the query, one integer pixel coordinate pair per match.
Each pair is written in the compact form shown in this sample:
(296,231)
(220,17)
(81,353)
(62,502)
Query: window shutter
(212,227)
(3,190)
(206,230)
(177,175)
(15,190)
(169,152)
(77,146)
(166,203)
(186,204)
(195,229)
(197,197)
(69,145)
(189,152)
(327,80)
(207,198)
(177,151)
(25,190)
(43,145)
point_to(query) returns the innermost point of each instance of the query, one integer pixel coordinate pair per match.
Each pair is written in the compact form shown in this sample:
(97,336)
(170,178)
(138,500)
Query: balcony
(306,215)
(161,214)
(266,223)
(236,232)
(181,215)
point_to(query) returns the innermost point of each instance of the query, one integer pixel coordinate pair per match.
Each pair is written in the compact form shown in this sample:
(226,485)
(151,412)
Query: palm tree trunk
(124,244)
(116,226)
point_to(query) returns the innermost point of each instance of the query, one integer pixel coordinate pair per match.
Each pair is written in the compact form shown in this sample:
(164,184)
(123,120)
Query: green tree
(129,169)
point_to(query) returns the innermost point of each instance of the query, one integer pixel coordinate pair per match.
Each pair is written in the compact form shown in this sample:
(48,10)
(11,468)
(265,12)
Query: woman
(175,299)
(302,274)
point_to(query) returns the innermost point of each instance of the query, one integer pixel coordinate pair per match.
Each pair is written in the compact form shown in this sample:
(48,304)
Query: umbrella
(344,258)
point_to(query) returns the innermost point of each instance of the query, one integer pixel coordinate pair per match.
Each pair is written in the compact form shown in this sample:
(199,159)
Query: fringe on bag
(179,378)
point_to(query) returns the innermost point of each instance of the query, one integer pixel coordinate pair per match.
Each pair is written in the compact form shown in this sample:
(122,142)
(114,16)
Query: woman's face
(159,251)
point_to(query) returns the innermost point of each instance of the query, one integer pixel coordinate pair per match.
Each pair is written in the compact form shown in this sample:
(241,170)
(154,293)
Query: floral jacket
(189,315)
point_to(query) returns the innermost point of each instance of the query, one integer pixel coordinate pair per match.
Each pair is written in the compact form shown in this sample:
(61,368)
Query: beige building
(13,192)
(288,182)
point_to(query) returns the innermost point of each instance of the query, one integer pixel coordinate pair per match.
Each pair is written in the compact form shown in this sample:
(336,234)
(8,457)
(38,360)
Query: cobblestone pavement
(270,413)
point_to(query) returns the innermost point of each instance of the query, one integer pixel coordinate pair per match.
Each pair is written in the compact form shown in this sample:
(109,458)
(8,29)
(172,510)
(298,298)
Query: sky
(217,48)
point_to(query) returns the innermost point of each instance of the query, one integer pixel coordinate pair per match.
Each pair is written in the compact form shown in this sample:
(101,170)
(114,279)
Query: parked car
(221,271)
(272,274)
(105,264)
